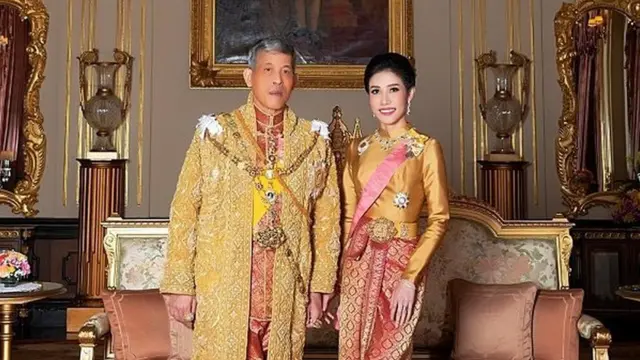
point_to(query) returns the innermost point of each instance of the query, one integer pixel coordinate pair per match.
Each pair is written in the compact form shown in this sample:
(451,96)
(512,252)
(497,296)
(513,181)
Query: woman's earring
(408,107)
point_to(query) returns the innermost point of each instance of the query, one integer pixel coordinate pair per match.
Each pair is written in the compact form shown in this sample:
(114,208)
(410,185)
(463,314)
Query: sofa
(479,246)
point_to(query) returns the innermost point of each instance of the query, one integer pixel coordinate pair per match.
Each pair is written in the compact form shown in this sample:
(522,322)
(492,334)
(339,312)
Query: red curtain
(587,88)
(632,56)
(14,72)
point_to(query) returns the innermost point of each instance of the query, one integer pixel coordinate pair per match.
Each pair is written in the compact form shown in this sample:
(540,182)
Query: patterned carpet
(70,351)
(49,351)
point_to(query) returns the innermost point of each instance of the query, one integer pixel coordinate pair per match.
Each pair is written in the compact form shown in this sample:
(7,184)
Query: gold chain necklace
(274,236)
(253,170)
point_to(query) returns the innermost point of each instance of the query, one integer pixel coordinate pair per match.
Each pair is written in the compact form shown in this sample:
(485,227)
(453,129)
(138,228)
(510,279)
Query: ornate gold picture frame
(25,193)
(575,191)
(207,72)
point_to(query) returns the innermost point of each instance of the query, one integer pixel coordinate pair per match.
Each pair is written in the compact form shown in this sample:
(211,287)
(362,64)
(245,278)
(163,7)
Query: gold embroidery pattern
(220,268)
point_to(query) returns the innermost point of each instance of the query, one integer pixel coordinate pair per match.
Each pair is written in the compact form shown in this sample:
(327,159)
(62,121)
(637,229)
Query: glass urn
(503,111)
(104,111)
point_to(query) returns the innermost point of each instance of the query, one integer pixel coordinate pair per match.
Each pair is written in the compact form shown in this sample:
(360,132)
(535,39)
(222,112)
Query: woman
(389,177)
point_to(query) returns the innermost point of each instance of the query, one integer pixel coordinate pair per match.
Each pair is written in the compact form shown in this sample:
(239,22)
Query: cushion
(181,340)
(492,321)
(555,323)
(139,324)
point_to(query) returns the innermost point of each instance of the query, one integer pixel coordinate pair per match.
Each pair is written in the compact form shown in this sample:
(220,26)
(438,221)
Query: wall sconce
(4,42)
(6,168)
(598,26)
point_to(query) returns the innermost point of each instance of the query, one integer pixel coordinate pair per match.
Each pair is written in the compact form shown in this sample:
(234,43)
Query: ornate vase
(105,111)
(504,112)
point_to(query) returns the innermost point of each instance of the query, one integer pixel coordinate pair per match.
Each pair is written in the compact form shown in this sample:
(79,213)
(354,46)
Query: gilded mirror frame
(575,193)
(24,196)
(205,73)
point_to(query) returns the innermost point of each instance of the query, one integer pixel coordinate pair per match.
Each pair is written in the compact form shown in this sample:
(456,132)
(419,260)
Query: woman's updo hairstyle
(394,62)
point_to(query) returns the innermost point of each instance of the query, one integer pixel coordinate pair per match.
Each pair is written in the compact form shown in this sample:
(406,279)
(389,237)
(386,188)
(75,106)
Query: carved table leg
(6,320)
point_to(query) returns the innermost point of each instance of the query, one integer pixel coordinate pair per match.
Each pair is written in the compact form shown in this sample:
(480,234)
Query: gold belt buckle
(381,230)
(271,238)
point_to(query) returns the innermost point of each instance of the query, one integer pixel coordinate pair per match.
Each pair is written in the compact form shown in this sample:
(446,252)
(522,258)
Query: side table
(629,292)
(8,303)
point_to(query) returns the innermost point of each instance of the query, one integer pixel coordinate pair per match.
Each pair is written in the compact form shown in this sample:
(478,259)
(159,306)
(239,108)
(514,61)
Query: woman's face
(388,97)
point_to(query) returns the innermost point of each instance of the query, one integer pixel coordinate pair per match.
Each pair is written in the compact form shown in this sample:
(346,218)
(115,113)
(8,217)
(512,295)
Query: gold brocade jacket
(419,183)
(210,235)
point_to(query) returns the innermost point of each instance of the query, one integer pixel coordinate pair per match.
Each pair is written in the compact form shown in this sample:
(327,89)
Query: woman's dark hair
(394,62)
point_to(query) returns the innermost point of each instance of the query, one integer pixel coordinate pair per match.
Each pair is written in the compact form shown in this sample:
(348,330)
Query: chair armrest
(91,331)
(94,329)
(599,337)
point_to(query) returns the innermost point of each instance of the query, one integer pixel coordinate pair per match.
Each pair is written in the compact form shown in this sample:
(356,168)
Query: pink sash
(378,181)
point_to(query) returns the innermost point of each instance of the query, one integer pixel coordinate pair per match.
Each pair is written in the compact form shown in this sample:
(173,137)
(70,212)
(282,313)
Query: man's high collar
(264,119)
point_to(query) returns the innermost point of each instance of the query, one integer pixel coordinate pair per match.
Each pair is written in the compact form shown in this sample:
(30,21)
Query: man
(254,228)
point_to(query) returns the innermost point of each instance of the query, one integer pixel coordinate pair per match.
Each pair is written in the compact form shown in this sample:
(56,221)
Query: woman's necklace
(388,143)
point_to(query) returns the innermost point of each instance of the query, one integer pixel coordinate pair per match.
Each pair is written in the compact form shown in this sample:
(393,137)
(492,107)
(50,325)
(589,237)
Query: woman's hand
(333,319)
(402,302)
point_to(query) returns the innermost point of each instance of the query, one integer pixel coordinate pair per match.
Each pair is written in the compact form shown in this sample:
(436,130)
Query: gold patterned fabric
(368,281)
(420,181)
(210,234)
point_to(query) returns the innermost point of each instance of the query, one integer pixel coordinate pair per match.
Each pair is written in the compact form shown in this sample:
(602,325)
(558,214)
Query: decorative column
(503,186)
(102,186)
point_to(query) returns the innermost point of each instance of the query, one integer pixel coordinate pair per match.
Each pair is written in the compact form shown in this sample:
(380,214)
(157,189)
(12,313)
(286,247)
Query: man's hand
(315,310)
(402,302)
(181,307)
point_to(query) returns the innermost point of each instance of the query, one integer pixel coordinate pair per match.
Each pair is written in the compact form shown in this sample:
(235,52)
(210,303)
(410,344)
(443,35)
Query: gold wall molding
(534,113)
(575,193)
(24,196)
(461,72)
(141,103)
(67,105)
(123,42)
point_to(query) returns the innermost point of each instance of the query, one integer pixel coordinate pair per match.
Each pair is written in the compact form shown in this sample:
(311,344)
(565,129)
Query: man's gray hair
(272,44)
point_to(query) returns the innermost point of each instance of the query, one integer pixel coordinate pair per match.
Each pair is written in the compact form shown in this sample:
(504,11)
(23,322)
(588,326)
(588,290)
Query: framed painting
(334,39)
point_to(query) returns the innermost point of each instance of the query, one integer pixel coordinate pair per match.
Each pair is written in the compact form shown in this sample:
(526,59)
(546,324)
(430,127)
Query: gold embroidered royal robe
(210,236)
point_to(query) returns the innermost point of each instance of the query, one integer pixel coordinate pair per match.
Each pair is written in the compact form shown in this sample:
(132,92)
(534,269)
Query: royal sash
(377,182)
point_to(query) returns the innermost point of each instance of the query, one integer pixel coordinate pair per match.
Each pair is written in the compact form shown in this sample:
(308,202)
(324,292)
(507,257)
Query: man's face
(272,80)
